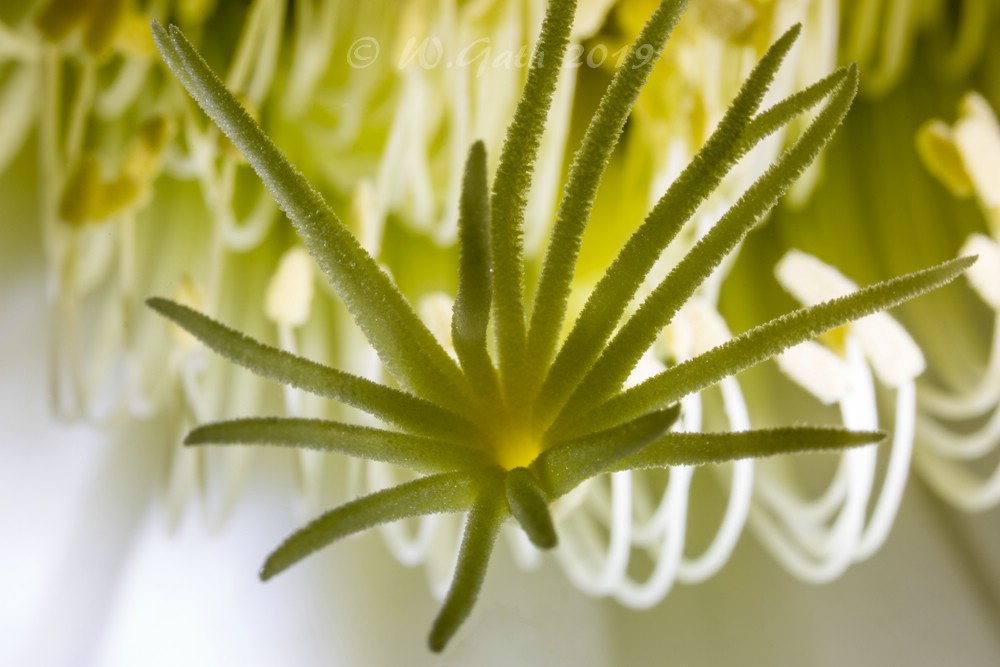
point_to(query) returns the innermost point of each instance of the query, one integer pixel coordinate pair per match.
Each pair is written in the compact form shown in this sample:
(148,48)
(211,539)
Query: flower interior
(525,411)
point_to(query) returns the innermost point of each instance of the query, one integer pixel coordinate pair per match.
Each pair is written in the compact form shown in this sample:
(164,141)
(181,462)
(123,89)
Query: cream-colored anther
(82,192)
(435,311)
(817,370)
(984,275)
(977,135)
(890,351)
(939,153)
(288,300)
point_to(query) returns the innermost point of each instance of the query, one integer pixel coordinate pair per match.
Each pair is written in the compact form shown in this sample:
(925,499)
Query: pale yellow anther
(101,22)
(87,197)
(116,196)
(288,300)
(977,135)
(187,294)
(105,21)
(82,192)
(142,162)
(984,275)
(966,157)
(58,18)
(937,149)
(134,35)
(194,12)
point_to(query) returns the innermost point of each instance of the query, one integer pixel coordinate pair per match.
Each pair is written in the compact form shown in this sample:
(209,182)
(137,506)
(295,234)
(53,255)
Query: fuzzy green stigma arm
(507,436)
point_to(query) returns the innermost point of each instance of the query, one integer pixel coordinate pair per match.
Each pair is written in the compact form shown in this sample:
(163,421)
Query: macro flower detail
(961,425)
(526,414)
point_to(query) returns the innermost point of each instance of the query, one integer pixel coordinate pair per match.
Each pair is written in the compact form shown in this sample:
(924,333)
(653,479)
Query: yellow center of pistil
(517,447)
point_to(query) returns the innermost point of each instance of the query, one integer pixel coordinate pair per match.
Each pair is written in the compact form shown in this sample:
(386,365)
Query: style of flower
(510,437)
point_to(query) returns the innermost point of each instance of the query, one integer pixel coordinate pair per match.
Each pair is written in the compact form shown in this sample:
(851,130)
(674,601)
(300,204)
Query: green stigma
(523,414)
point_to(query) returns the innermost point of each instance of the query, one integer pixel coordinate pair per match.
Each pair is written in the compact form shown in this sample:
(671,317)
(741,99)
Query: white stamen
(969,402)
(18,100)
(738,507)
(594,567)
(803,544)
(249,233)
(649,593)
(288,303)
(964,445)
(896,474)
(957,484)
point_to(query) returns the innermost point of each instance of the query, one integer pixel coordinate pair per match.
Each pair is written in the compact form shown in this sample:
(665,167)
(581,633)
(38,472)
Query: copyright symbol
(363,52)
